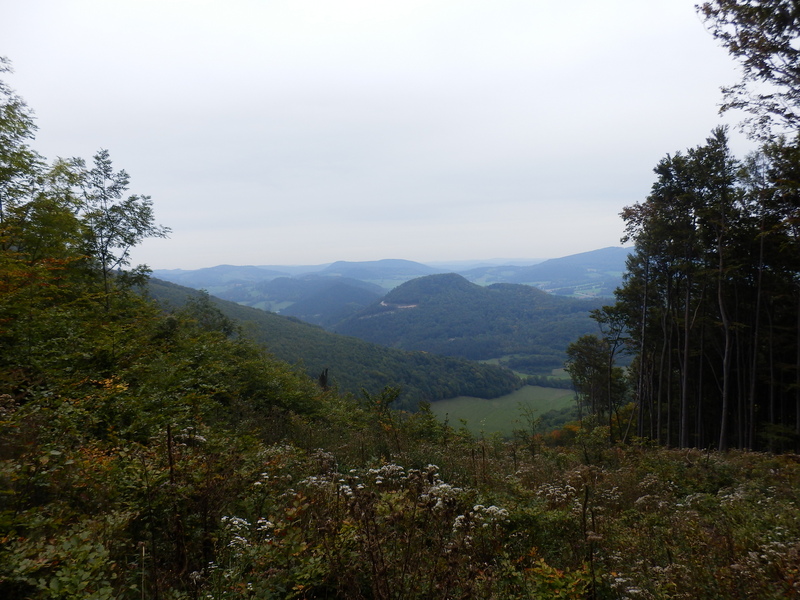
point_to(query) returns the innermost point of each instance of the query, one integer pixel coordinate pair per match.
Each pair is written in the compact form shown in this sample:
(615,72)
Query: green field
(505,414)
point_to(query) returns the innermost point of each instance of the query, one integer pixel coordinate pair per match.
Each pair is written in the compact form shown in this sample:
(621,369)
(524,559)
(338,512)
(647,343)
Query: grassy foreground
(495,520)
(366,503)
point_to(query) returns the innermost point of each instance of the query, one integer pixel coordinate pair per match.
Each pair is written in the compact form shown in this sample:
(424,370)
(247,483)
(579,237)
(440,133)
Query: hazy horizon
(269,133)
(468,263)
(434,263)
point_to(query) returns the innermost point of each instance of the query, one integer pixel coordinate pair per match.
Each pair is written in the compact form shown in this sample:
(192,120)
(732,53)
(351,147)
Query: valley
(403,324)
(482,313)
(354,366)
(529,410)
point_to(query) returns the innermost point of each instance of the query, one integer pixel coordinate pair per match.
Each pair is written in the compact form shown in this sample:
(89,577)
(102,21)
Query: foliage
(600,385)
(446,314)
(382,532)
(17,159)
(114,224)
(709,304)
(763,37)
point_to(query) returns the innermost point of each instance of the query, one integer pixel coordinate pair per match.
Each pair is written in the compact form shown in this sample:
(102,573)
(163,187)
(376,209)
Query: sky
(289,132)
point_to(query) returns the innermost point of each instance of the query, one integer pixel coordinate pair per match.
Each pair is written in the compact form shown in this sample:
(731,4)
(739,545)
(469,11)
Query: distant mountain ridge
(596,273)
(379,269)
(219,275)
(328,293)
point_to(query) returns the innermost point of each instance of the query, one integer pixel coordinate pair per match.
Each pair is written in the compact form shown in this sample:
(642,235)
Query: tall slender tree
(18,162)
(714,240)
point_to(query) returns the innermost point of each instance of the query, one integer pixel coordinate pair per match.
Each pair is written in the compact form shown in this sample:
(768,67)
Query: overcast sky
(309,131)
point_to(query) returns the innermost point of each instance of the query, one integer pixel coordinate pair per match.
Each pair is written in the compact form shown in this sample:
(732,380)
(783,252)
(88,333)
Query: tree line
(709,307)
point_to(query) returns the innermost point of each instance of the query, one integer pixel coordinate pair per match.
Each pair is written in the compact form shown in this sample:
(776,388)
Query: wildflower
(264,525)
(235,524)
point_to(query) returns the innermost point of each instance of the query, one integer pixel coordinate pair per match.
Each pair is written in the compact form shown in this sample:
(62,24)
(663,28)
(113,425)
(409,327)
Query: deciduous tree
(114,223)
(764,36)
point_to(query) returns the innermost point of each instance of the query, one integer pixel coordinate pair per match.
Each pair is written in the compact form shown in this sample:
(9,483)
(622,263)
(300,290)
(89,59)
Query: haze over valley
(276,287)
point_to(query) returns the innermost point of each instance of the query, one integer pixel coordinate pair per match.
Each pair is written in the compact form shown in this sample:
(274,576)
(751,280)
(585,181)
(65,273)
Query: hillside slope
(316,299)
(354,364)
(332,303)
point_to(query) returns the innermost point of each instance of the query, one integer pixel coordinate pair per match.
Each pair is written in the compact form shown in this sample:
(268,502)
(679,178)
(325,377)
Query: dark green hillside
(298,289)
(446,314)
(438,288)
(333,303)
(354,364)
(323,300)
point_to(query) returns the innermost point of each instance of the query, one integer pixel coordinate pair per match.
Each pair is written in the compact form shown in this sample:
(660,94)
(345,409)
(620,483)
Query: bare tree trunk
(659,394)
(699,433)
(683,438)
(727,355)
(642,346)
(751,401)
(669,388)
(797,378)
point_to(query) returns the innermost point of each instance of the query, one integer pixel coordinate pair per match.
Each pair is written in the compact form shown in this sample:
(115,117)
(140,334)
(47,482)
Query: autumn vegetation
(158,453)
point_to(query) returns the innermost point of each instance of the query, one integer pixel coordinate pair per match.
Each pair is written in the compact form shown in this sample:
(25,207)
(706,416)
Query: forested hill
(448,315)
(354,364)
